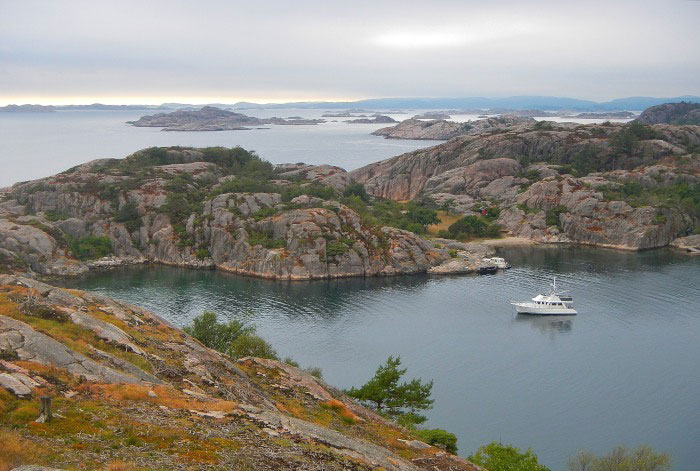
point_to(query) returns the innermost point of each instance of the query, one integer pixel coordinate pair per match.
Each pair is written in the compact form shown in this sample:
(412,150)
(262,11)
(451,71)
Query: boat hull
(543,310)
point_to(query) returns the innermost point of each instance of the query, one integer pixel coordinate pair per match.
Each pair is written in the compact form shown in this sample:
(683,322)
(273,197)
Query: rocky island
(672,113)
(432,115)
(442,130)
(210,118)
(375,119)
(205,208)
(604,115)
(627,186)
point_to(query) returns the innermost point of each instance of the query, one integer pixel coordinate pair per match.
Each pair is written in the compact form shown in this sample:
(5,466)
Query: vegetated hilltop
(617,185)
(206,208)
(672,113)
(130,391)
(443,130)
(210,118)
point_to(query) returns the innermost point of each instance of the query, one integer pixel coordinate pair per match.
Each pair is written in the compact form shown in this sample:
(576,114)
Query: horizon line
(199,101)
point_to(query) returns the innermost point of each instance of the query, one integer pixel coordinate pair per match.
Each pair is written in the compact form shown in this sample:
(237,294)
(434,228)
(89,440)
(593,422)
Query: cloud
(328,49)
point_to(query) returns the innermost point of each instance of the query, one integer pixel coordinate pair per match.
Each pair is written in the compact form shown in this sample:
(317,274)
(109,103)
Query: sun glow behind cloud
(453,37)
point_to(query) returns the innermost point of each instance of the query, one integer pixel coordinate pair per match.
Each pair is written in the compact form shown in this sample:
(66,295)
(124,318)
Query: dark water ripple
(626,370)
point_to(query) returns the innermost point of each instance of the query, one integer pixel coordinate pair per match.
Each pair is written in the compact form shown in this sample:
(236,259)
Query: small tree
(385,394)
(498,457)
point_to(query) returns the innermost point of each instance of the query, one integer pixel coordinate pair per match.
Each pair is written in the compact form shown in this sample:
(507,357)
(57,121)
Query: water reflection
(179,293)
(548,324)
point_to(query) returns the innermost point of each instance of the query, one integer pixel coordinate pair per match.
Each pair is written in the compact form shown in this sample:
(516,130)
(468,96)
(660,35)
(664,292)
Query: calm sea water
(626,370)
(35,145)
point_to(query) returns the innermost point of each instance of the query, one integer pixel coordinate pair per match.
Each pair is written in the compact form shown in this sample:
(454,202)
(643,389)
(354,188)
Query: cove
(624,371)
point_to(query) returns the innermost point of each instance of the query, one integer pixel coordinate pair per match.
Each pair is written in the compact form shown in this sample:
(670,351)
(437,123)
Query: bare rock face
(689,243)
(584,216)
(252,233)
(329,175)
(671,113)
(440,129)
(525,171)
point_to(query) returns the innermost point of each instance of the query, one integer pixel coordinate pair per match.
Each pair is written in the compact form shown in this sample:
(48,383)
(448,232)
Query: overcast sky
(225,51)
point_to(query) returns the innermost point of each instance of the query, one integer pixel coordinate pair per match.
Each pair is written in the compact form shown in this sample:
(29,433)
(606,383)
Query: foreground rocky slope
(130,391)
(214,208)
(624,186)
(210,118)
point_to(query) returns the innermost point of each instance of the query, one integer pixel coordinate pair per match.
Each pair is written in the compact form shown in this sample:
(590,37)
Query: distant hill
(514,102)
(475,103)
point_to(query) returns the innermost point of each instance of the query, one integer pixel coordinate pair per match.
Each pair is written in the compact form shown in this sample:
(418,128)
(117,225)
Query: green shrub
(291,361)
(314,371)
(91,247)
(336,248)
(251,345)
(473,226)
(289,192)
(552,216)
(128,214)
(265,238)
(263,213)
(54,215)
(213,334)
(356,189)
(439,437)
(498,457)
(202,253)
(620,458)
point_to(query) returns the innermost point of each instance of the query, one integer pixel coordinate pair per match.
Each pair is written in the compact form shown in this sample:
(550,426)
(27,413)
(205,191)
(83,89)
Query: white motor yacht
(552,304)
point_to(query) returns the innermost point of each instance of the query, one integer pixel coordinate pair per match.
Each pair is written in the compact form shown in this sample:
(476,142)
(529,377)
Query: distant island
(27,109)
(432,115)
(210,118)
(376,119)
(442,130)
(604,115)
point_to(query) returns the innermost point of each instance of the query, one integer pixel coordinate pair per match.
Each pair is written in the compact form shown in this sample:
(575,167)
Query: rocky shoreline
(98,207)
